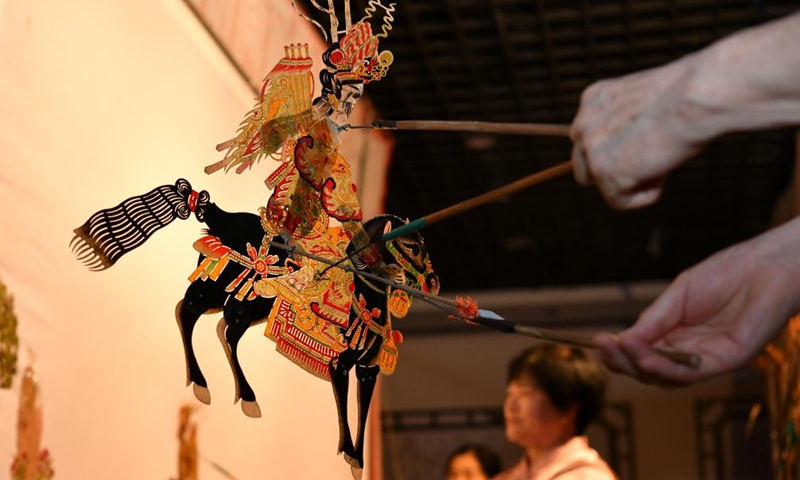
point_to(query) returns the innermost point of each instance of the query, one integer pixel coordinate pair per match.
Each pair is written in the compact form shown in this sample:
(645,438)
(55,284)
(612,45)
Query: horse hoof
(357,472)
(352,462)
(202,394)
(251,409)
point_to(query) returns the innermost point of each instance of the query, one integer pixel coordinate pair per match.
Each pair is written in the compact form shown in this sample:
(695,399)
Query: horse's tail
(111,233)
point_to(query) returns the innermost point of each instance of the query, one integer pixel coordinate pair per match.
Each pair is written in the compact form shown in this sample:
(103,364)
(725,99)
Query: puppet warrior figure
(326,320)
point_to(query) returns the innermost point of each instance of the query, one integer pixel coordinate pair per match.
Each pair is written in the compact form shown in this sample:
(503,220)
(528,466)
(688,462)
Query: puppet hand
(725,309)
(630,131)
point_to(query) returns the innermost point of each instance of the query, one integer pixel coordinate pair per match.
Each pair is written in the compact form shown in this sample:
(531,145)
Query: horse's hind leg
(339,371)
(197,301)
(367,377)
(221,326)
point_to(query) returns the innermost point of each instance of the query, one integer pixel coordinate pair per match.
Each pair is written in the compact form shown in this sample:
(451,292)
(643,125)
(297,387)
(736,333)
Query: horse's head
(405,260)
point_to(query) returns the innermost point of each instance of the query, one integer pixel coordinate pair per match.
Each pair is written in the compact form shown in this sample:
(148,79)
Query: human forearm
(750,80)
(631,131)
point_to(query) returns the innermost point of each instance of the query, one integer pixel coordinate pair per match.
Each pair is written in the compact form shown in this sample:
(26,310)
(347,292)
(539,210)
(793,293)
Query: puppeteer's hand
(725,309)
(631,131)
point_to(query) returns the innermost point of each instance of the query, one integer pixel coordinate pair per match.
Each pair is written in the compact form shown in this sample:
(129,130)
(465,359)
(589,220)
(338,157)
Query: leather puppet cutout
(187,444)
(779,361)
(326,320)
(31,461)
(9,341)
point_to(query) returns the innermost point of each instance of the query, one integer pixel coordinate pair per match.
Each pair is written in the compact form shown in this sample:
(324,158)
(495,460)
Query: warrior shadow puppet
(273,267)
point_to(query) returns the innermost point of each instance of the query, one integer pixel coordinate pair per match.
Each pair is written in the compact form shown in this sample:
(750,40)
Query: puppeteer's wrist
(739,83)
(708,102)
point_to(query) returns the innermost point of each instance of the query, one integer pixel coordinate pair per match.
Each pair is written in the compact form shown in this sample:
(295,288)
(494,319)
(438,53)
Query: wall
(103,100)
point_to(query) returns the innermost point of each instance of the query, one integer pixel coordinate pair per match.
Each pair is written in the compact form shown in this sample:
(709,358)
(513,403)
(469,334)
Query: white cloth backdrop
(102,100)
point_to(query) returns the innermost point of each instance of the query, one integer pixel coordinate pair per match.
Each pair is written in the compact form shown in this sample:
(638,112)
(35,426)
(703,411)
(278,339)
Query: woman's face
(532,421)
(465,467)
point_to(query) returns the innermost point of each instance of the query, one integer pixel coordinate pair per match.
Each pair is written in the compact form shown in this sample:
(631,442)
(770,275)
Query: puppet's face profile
(346,100)
(350,63)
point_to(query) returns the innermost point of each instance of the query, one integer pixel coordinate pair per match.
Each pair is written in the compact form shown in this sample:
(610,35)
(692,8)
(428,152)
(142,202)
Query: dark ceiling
(528,61)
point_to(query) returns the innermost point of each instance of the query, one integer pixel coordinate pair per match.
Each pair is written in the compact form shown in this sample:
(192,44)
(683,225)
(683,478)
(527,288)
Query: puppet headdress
(357,58)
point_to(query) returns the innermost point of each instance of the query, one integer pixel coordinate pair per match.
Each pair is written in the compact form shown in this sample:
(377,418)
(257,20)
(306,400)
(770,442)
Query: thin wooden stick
(541,129)
(498,193)
(488,197)
(691,360)
(480,200)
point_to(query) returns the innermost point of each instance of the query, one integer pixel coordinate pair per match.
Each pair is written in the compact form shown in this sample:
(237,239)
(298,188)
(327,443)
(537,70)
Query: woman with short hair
(553,393)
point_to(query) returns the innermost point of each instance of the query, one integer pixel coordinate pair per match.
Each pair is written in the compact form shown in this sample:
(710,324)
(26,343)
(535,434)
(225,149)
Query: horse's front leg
(239,316)
(200,298)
